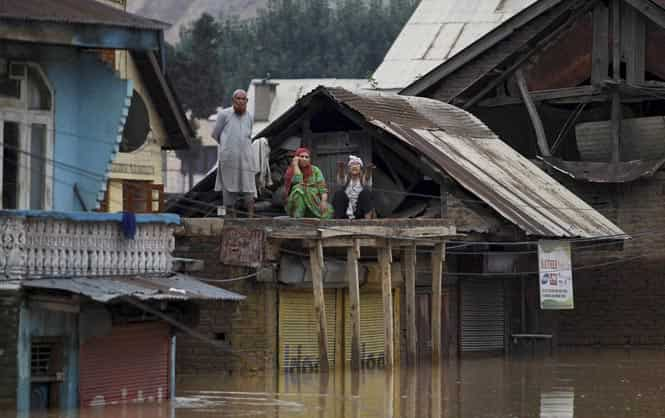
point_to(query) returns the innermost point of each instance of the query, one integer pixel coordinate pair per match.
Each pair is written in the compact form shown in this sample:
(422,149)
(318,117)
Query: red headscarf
(306,172)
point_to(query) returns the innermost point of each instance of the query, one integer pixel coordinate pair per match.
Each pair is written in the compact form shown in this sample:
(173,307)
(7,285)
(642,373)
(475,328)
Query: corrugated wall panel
(371,329)
(131,364)
(299,331)
(483,315)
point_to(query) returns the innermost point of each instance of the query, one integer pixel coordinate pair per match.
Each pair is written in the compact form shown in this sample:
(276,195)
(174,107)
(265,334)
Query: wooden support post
(352,255)
(316,265)
(409,265)
(543,146)
(385,260)
(616,126)
(438,260)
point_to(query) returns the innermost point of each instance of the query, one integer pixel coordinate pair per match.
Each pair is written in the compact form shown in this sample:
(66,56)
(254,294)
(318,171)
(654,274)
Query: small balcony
(36,244)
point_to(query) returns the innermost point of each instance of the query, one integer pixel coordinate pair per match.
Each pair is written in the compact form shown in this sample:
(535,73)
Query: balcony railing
(47,244)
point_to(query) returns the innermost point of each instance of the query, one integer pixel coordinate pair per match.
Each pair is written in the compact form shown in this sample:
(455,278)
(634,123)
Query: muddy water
(609,383)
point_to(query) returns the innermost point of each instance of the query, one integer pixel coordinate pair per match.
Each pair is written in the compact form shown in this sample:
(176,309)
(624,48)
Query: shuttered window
(483,315)
(299,330)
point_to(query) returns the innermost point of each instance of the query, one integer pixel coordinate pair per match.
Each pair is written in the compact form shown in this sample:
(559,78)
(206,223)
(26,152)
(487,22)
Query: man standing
(236,165)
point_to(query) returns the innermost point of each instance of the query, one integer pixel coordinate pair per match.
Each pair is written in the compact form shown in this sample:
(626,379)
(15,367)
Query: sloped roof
(459,144)
(438,30)
(106,289)
(75,11)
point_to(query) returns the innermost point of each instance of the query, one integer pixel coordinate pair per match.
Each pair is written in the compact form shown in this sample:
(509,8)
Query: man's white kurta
(236,168)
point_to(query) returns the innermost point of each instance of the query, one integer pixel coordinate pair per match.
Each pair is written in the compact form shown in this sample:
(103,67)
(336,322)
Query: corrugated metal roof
(462,146)
(106,289)
(436,31)
(75,11)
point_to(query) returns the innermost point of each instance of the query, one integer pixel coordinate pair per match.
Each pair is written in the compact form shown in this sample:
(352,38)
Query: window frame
(17,111)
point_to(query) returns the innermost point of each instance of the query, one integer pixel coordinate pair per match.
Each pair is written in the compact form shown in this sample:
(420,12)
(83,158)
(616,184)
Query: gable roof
(438,30)
(75,11)
(288,91)
(458,143)
(517,37)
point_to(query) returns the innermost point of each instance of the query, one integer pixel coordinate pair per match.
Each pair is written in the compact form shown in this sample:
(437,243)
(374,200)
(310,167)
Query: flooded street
(607,383)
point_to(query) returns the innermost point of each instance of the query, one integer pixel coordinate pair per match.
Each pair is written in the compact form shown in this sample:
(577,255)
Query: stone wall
(9,314)
(247,328)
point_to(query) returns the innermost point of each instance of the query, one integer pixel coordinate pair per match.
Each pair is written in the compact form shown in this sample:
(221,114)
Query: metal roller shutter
(483,315)
(129,365)
(371,330)
(299,330)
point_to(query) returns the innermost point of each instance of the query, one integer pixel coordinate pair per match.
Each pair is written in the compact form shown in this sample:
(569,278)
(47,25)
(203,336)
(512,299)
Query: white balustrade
(42,247)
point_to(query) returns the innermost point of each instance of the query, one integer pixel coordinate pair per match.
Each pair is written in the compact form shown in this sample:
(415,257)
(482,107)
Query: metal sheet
(75,11)
(459,144)
(175,287)
(483,315)
(108,375)
(436,31)
(299,330)
(242,246)
(372,338)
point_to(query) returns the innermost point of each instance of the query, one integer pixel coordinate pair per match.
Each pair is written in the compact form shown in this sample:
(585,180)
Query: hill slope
(181,12)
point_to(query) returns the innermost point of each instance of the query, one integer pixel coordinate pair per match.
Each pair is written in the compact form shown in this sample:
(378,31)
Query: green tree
(288,39)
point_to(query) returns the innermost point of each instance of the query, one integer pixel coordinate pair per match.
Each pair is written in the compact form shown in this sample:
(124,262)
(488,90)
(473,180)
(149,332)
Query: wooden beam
(438,260)
(409,266)
(543,146)
(352,255)
(572,93)
(616,40)
(649,9)
(600,60)
(385,261)
(340,318)
(316,265)
(536,48)
(616,127)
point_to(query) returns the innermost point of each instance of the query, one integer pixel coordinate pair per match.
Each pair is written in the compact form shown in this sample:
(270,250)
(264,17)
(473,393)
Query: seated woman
(306,188)
(354,200)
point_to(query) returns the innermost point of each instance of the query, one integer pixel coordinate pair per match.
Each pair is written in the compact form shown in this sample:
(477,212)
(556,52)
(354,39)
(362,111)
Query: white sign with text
(555,275)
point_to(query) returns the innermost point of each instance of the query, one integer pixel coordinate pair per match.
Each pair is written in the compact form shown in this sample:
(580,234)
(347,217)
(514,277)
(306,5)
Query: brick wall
(620,303)
(247,328)
(9,313)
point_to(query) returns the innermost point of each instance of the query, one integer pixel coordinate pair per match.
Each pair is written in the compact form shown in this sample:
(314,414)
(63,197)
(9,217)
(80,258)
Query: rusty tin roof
(460,144)
(106,289)
(75,11)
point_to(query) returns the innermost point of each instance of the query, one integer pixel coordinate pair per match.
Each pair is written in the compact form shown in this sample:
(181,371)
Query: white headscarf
(354,160)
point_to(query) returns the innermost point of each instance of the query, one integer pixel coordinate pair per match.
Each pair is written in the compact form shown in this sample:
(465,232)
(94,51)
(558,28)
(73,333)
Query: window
(142,197)
(26,138)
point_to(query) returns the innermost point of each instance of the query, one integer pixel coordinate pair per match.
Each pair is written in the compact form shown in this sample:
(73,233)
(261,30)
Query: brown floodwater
(589,383)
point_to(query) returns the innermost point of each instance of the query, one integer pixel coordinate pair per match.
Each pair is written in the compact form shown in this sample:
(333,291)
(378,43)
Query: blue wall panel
(91,104)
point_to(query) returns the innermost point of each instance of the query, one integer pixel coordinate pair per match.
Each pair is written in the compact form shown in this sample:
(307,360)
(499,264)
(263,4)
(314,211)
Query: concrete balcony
(36,244)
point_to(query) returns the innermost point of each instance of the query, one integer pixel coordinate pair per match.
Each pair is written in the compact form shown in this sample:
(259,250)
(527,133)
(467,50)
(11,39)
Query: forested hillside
(287,39)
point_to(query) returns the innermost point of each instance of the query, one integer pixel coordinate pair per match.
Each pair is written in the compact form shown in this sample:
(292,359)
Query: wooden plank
(385,260)
(616,127)
(352,255)
(409,266)
(543,96)
(633,44)
(397,342)
(543,146)
(616,40)
(649,9)
(340,317)
(519,62)
(601,43)
(316,265)
(438,260)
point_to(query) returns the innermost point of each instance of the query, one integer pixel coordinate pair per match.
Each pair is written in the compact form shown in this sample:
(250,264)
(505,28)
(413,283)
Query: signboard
(242,247)
(555,275)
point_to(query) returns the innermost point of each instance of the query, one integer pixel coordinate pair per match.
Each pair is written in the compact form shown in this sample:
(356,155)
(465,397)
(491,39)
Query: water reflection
(580,384)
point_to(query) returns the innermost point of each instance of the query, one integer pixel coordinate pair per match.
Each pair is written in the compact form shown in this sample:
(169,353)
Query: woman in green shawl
(306,189)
